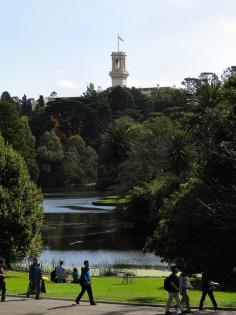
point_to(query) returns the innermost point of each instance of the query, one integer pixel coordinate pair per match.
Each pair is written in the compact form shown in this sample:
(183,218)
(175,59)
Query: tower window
(117,64)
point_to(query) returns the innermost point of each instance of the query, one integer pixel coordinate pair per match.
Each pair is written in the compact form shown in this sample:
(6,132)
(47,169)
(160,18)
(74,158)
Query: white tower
(118,73)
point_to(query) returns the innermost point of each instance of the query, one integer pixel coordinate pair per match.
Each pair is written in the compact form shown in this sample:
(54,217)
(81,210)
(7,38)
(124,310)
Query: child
(2,279)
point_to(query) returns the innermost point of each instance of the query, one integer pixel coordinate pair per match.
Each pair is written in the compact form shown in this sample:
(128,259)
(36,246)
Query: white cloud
(68,85)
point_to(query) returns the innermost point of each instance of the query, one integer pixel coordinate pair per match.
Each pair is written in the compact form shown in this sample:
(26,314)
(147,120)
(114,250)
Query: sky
(63,45)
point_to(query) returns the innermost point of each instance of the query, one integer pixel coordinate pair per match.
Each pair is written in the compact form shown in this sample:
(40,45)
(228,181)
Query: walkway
(23,306)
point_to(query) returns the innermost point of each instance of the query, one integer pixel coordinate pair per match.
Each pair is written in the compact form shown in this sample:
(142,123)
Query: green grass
(142,290)
(111,201)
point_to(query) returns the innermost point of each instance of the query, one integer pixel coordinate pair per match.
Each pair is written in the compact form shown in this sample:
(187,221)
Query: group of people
(177,286)
(59,275)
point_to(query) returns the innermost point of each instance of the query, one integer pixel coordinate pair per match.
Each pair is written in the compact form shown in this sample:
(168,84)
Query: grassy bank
(142,290)
(111,201)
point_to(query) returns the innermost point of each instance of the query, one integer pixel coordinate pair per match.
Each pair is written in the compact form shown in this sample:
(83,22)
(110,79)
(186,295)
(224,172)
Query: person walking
(184,286)
(172,286)
(207,288)
(35,279)
(3,279)
(85,282)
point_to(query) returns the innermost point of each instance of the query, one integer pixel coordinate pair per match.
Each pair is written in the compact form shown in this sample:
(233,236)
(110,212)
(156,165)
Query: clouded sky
(63,45)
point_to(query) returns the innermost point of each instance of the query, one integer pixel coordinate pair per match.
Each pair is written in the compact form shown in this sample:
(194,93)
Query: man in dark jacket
(207,288)
(2,279)
(173,291)
(85,282)
(35,278)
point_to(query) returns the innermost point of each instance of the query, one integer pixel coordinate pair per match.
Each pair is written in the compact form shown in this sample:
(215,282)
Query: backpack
(167,285)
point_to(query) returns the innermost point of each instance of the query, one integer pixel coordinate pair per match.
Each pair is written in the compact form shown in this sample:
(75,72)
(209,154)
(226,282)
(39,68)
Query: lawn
(142,290)
(111,201)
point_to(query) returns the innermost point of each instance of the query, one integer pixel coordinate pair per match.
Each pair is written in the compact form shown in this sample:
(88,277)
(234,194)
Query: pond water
(75,230)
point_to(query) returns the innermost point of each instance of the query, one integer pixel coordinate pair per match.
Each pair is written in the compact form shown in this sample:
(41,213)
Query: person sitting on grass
(61,273)
(75,276)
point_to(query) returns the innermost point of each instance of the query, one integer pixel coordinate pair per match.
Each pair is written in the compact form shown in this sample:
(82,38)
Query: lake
(75,230)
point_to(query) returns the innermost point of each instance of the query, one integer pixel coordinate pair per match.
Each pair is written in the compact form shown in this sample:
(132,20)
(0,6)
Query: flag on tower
(119,38)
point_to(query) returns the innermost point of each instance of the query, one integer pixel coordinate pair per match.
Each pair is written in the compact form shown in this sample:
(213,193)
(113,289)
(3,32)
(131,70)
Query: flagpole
(118,43)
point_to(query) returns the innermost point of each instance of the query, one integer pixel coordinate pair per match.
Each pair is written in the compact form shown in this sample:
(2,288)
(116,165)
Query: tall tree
(21,212)
(26,107)
(6,97)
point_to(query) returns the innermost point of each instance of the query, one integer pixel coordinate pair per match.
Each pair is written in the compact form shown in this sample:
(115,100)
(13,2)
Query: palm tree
(207,95)
(116,144)
(178,153)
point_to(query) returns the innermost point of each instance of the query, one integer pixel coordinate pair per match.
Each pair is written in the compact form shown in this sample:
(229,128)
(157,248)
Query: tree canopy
(21,213)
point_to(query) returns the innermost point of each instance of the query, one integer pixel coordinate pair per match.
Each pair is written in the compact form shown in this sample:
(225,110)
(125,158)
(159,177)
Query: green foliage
(168,97)
(200,217)
(146,201)
(26,107)
(49,154)
(179,154)
(151,142)
(21,213)
(79,165)
(6,97)
(15,131)
(71,164)
(40,122)
(10,125)
(115,148)
(87,116)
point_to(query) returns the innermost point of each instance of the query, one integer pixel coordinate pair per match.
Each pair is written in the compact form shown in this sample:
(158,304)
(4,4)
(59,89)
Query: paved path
(23,306)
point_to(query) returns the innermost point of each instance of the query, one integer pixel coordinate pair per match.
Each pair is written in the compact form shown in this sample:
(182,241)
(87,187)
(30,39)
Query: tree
(53,94)
(40,122)
(15,131)
(6,97)
(26,107)
(120,99)
(145,203)
(10,125)
(200,217)
(229,72)
(49,155)
(21,212)
(41,103)
(179,155)
(168,97)
(115,148)
(79,165)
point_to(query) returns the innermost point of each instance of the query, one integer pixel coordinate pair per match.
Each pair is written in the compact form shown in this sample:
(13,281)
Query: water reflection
(74,228)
